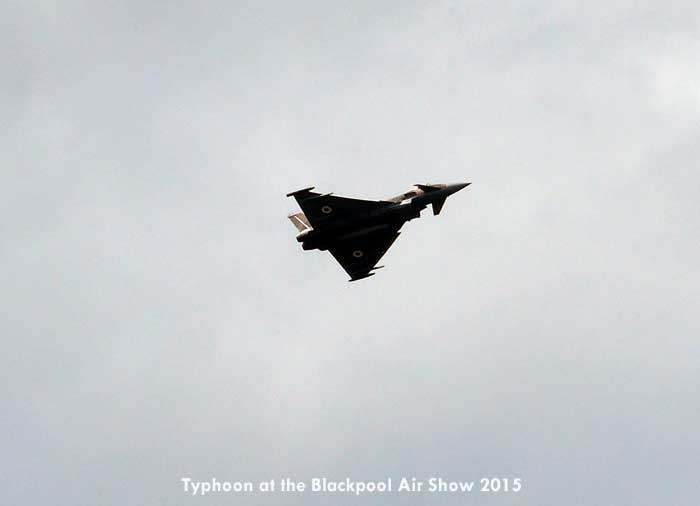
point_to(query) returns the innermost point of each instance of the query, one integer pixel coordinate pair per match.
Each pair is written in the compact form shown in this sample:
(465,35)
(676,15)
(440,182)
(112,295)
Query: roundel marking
(326,209)
(357,253)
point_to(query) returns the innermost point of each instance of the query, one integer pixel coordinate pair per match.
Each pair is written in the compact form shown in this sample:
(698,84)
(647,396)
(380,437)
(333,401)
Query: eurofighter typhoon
(358,232)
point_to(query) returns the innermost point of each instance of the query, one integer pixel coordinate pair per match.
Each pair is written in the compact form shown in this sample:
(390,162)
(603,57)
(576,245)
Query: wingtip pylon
(368,274)
(303,190)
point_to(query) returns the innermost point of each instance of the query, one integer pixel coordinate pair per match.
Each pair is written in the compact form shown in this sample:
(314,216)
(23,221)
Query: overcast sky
(158,319)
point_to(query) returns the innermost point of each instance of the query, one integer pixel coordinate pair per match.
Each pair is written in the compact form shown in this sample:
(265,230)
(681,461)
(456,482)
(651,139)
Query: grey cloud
(159,320)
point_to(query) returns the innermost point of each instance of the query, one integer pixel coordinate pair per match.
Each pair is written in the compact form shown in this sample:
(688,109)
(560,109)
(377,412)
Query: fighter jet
(358,232)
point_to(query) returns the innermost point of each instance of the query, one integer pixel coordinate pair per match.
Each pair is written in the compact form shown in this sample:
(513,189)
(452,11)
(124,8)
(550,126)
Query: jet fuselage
(358,232)
(406,207)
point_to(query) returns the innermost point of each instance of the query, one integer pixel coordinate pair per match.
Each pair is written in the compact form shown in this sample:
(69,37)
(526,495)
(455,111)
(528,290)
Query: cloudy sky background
(158,320)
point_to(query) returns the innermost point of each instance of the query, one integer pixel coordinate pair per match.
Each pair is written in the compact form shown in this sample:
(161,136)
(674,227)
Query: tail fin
(300,222)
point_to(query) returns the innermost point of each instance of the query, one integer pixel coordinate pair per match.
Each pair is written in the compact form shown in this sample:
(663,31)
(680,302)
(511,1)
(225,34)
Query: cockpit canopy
(417,189)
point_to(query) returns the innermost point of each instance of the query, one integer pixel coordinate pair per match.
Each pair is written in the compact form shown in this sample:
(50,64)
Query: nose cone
(454,188)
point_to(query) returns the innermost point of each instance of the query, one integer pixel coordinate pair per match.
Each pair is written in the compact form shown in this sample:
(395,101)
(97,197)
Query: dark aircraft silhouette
(359,232)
